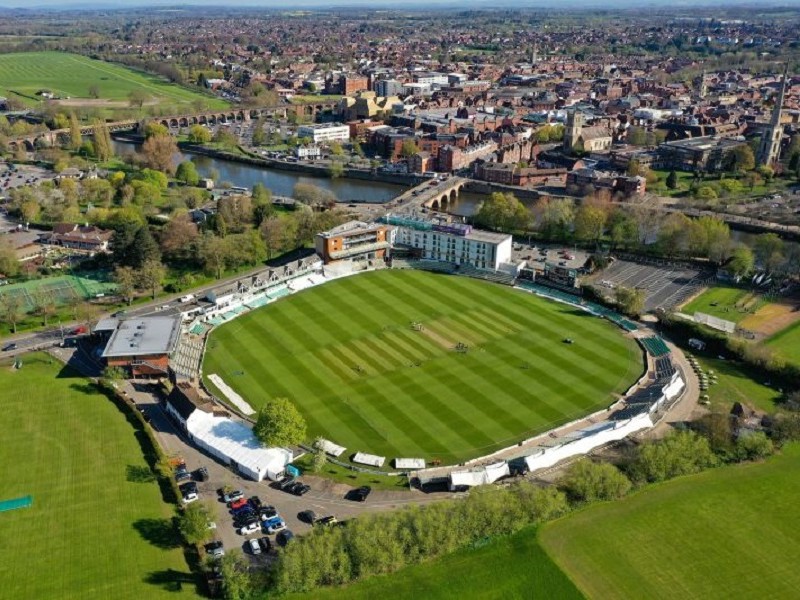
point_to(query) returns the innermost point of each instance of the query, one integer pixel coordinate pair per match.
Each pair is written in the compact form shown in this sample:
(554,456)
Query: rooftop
(144,335)
(487,236)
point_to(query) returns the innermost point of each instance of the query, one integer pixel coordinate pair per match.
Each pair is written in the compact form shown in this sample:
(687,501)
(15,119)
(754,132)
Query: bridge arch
(183,122)
(173,123)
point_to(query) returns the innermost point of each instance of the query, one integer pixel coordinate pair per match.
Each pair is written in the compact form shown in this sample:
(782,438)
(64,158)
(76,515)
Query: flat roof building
(325,132)
(143,345)
(354,240)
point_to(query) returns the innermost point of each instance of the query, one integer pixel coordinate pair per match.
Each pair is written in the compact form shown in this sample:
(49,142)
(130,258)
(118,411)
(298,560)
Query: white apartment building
(308,152)
(457,244)
(324,132)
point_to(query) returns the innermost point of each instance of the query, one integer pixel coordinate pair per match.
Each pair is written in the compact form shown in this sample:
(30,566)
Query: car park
(253,546)
(249,529)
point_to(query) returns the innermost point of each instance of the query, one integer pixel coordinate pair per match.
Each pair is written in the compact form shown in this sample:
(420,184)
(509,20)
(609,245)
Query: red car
(237,503)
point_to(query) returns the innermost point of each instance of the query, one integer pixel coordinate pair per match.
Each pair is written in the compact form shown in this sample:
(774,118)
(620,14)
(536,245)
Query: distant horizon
(38,5)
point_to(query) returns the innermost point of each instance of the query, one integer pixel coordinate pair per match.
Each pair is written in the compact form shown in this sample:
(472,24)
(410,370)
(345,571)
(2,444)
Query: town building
(707,154)
(769,149)
(586,139)
(308,152)
(354,240)
(78,237)
(324,132)
(142,345)
(455,243)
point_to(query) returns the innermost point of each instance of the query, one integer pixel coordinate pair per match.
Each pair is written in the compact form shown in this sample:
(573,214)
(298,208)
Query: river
(281,183)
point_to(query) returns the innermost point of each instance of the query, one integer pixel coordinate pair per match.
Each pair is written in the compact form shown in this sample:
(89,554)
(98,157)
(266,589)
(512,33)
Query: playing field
(346,353)
(729,303)
(509,568)
(787,342)
(22,75)
(726,533)
(98,528)
(62,289)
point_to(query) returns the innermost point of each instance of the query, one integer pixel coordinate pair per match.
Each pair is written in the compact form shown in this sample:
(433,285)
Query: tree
(158,151)
(280,424)
(741,158)
(103,149)
(75,137)
(673,236)
(755,446)
(409,148)
(555,217)
(672,180)
(94,91)
(237,582)
(11,309)
(179,237)
(137,98)
(769,249)
(590,222)
(127,280)
(154,129)
(151,276)
(193,522)
(273,232)
(680,453)
(213,253)
(9,265)
(45,304)
(634,168)
(335,169)
(199,134)
(630,300)
(706,193)
(589,481)
(503,212)
(320,458)
(310,194)
(336,149)
(187,173)
(742,261)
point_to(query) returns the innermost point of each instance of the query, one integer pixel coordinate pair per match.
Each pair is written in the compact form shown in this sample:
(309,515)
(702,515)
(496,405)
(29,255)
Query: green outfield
(787,342)
(98,527)
(24,74)
(729,303)
(348,355)
(509,568)
(726,533)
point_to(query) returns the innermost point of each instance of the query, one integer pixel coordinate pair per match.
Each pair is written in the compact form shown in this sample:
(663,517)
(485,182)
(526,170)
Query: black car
(284,537)
(201,474)
(360,495)
(265,543)
(240,522)
(268,511)
(301,489)
(307,516)
(9,347)
(181,474)
(287,483)
(255,502)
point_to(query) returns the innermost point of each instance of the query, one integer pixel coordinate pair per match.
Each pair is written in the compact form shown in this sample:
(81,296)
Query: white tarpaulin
(369,459)
(234,442)
(488,474)
(231,395)
(409,463)
(329,447)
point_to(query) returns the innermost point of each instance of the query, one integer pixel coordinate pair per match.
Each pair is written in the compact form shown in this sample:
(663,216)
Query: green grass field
(511,568)
(24,74)
(94,530)
(726,533)
(787,342)
(735,385)
(729,303)
(347,355)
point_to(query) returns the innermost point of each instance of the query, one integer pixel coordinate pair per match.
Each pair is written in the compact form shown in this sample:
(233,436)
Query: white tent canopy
(409,463)
(369,459)
(329,447)
(488,474)
(234,443)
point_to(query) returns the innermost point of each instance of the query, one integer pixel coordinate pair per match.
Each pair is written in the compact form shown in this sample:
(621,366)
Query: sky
(300,4)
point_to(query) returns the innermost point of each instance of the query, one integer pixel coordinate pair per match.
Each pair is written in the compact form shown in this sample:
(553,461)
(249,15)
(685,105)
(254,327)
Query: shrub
(678,454)
(588,481)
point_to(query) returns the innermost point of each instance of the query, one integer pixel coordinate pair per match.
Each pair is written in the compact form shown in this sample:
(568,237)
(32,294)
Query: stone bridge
(434,194)
(58,137)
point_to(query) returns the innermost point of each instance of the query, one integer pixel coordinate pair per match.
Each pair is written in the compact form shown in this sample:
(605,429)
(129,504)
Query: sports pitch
(23,74)
(729,303)
(98,528)
(347,355)
(731,532)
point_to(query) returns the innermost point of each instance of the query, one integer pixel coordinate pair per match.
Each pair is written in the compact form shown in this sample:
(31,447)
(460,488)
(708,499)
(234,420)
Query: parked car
(201,474)
(298,488)
(273,525)
(253,546)
(267,512)
(237,504)
(360,494)
(249,529)
(307,516)
(287,483)
(284,537)
(265,543)
(181,474)
(232,496)
(189,492)
(328,521)
(255,502)
(9,347)
(215,548)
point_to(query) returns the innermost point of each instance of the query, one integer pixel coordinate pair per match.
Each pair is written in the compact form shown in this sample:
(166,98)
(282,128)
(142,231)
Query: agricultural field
(72,77)
(787,342)
(648,545)
(509,568)
(98,526)
(729,303)
(415,364)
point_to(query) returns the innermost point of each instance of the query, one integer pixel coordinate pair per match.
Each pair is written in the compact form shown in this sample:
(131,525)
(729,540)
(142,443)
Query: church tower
(572,132)
(769,149)
(703,85)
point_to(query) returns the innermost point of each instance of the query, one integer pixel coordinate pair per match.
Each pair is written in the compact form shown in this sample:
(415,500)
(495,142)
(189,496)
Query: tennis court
(63,289)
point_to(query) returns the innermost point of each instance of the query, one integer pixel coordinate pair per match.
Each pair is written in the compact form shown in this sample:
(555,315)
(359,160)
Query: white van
(187,298)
